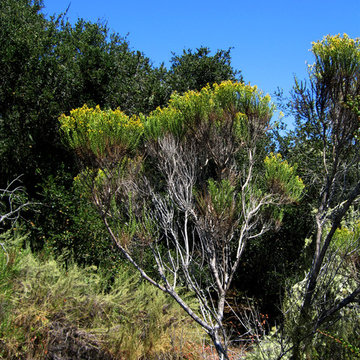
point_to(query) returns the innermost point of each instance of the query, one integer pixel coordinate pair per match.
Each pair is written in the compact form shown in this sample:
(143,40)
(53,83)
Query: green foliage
(204,177)
(9,269)
(193,70)
(49,67)
(337,280)
(230,113)
(69,227)
(337,340)
(347,238)
(331,345)
(336,70)
(326,113)
(27,98)
(277,259)
(336,57)
(281,179)
(222,196)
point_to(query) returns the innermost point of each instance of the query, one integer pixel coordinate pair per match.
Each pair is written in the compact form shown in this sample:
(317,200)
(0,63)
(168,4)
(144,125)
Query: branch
(14,201)
(167,289)
(320,258)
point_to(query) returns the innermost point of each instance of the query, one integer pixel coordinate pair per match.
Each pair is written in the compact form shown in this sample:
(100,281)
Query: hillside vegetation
(165,213)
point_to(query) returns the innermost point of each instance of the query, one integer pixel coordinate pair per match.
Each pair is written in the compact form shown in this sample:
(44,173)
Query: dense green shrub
(68,225)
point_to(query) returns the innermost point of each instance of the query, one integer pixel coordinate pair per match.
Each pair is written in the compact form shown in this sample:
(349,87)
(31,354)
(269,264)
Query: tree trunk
(221,349)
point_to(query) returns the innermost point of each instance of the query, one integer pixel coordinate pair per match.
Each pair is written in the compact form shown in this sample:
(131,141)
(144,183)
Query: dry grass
(49,312)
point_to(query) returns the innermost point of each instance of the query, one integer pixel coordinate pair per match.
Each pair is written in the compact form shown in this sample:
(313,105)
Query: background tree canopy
(49,67)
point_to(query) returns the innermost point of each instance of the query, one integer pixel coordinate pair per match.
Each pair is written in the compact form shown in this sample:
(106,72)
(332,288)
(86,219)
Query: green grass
(49,311)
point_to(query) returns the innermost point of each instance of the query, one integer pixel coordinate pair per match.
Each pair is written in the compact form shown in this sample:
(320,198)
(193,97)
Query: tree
(48,67)
(192,70)
(186,185)
(327,141)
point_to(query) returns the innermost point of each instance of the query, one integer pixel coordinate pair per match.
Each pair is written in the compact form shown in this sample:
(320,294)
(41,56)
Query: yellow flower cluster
(93,118)
(184,109)
(97,130)
(93,128)
(333,42)
(345,236)
(333,52)
(277,159)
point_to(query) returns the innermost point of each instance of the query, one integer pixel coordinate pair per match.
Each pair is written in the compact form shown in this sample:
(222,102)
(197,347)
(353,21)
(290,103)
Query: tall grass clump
(48,311)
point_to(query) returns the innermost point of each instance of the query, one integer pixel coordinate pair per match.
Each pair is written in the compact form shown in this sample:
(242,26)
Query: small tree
(188,184)
(327,142)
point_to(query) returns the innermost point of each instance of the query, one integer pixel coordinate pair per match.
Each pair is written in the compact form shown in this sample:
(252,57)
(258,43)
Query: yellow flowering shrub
(101,132)
(248,100)
(162,120)
(281,179)
(243,102)
(337,53)
(338,62)
(347,237)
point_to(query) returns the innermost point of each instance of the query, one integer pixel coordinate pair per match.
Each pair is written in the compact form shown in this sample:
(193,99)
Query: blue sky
(270,39)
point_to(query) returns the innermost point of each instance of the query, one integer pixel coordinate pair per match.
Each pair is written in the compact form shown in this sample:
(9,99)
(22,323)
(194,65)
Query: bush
(68,226)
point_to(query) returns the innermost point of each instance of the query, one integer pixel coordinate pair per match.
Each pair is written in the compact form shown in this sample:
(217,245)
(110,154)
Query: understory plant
(49,311)
(339,277)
